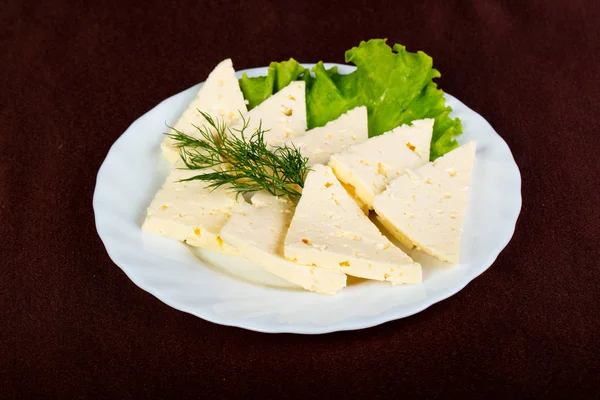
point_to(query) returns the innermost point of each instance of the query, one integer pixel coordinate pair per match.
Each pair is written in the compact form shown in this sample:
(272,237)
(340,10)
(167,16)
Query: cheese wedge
(220,97)
(258,235)
(190,212)
(427,205)
(369,166)
(330,230)
(282,116)
(319,144)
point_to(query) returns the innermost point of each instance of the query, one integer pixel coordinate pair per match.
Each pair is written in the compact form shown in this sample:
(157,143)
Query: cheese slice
(427,205)
(191,212)
(369,166)
(259,234)
(220,97)
(282,116)
(320,143)
(330,230)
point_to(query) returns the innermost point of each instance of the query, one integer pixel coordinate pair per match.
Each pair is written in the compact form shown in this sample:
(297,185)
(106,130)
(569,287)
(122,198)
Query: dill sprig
(242,162)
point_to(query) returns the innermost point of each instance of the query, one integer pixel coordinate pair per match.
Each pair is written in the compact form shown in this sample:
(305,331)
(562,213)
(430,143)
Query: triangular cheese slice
(428,205)
(282,116)
(368,167)
(329,230)
(190,212)
(220,97)
(258,235)
(320,143)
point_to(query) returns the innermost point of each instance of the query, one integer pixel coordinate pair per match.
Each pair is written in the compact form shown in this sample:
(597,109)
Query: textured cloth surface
(74,75)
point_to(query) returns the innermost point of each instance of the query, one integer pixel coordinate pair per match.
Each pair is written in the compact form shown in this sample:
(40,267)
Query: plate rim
(343,325)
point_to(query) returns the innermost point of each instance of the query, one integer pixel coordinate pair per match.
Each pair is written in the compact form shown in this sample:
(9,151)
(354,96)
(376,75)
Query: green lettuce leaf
(395,85)
(279,75)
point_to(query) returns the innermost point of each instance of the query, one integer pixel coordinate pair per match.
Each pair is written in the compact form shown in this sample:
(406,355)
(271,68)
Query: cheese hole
(410,146)
(345,264)
(306,242)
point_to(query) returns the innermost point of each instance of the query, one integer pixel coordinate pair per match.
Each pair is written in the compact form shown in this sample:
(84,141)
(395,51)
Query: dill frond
(235,159)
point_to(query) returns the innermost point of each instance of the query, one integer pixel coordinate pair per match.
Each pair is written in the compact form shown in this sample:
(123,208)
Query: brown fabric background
(72,325)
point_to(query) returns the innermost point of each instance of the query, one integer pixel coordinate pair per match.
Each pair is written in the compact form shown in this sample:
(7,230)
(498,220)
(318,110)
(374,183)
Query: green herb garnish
(234,159)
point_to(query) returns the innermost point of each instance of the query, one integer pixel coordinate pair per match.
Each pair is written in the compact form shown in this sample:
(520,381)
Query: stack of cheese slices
(326,235)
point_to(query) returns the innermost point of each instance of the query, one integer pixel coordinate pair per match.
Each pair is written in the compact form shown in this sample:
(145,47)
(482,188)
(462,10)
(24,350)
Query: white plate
(188,280)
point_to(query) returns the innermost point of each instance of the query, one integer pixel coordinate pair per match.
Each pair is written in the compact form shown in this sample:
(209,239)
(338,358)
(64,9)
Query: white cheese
(368,167)
(190,212)
(395,233)
(320,143)
(427,205)
(330,230)
(220,97)
(282,116)
(259,234)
